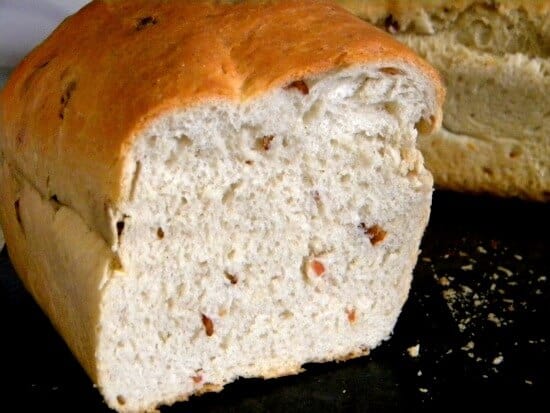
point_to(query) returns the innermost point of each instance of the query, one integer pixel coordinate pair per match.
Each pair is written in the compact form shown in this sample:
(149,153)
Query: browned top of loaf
(77,101)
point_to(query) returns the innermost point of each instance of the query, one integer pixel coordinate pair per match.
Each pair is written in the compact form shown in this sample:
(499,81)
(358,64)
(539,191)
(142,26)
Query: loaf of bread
(195,192)
(495,59)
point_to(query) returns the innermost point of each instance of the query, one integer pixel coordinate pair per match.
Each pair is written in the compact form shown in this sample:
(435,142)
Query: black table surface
(478,309)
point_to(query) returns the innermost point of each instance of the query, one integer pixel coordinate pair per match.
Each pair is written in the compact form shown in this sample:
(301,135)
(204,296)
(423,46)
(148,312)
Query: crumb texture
(281,218)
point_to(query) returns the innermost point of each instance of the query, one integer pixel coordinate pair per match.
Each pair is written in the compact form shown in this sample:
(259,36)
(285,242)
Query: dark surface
(495,255)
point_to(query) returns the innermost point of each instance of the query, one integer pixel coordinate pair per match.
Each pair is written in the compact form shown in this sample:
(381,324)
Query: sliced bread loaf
(196,192)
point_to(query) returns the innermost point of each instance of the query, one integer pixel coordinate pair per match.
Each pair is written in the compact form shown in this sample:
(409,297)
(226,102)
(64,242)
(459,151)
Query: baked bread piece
(195,193)
(495,60)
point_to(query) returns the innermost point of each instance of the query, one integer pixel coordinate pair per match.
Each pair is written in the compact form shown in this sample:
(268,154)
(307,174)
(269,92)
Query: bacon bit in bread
(352,317)
(300,85)
(197,379)
(391,71)
(160,233)
(208,325)
(375,233)
(231,277)
(265,142)
(318,268)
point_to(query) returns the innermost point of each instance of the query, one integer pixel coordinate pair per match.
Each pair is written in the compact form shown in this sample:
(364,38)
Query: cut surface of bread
(205,226)
(495,59)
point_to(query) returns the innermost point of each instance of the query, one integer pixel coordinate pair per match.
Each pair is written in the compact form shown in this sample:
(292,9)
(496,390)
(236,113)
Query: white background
(25,23)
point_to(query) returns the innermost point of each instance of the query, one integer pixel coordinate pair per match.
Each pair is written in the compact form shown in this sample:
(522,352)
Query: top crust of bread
(408,12)
(80,116)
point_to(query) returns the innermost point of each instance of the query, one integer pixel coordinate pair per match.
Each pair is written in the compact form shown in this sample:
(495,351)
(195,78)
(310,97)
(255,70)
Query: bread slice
(495,59)
(205,194)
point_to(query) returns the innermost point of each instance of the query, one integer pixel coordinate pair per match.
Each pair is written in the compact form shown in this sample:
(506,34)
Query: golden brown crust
(39,234)
(79,99)
(397,15)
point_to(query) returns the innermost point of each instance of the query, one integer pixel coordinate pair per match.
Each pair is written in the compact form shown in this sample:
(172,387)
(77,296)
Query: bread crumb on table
(468,346)
(497,360)
(444,281)
(505,270)
(414,351)
(494,319)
